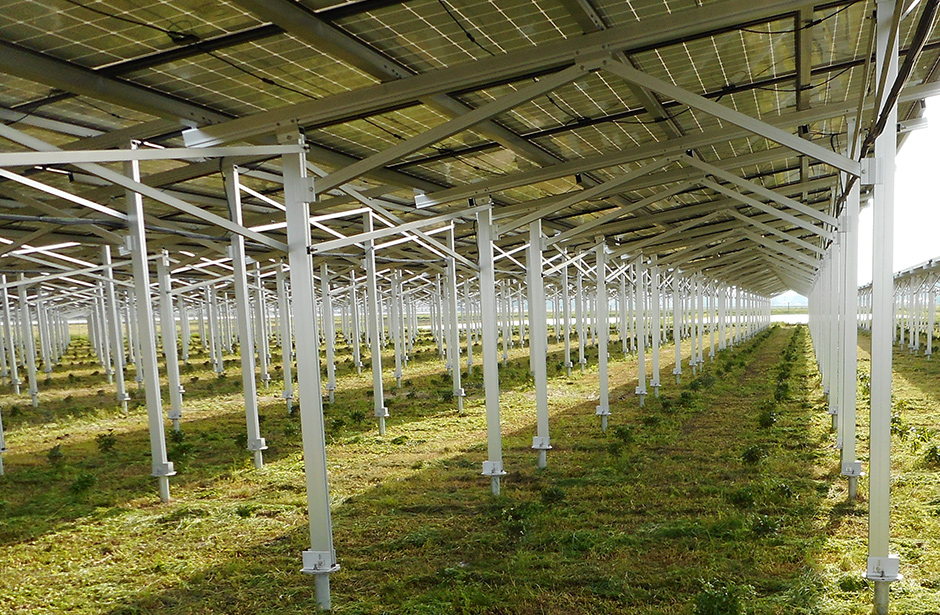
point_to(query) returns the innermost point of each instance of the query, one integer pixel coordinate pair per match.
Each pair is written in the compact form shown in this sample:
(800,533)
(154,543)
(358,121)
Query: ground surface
(724,491)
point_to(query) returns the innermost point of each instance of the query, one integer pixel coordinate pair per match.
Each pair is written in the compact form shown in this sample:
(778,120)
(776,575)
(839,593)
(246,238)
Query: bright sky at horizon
(916,220)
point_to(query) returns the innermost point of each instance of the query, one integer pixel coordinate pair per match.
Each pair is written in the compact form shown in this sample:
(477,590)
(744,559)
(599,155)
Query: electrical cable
(808,25)
(470,37)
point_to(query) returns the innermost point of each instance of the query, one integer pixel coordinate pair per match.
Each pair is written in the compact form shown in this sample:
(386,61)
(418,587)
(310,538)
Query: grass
(697,503)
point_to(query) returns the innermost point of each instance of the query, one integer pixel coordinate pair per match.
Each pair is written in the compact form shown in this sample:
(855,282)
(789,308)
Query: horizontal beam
(17,159)
(737,118)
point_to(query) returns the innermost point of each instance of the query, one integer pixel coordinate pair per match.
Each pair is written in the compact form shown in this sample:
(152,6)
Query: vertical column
(256,443)
(168,336)
(468,320)
(162,469)
(602,327)
(215,343)
(712,297)
(579,315)
(453,332)
(437,321)
(883,567)
(4,365)
(261,338)
(624,318)
(396,330)
(931,318)
(320,559)
(640,286)
(29,342)
(287,343)
(657,324)
(677,324)
(8,334)
(42,324)
(507,325)
(375,323)
(493,466)
(356,333)
(204,342)
(185,331)
(538,340)
(566,307)
(851,467)
(328,327)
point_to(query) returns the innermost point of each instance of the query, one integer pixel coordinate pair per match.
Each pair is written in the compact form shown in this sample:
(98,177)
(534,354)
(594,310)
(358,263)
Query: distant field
(723,491)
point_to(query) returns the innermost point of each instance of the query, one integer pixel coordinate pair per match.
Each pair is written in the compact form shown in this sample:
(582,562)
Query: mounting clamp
(884,568)
(319,562)
(493,468)
(540,443)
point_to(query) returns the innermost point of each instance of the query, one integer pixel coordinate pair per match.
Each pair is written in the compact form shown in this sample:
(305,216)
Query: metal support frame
(320,559)
(256,444)
(287,342)
(453,325)
(374,326)
(602,326)
(29,343)
(161,467)
(493,466)
(329,324)
(168,338)
(261,336)
(639,273)
(538,340)
(883,566)
(657,322)
(8,329)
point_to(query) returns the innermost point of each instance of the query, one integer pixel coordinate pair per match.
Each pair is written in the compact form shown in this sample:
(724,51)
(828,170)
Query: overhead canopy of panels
(709,133)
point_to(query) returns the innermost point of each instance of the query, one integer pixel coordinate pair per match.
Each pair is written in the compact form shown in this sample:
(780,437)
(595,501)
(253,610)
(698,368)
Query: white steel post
(493,466)
(8,334)
(437,319)
(375,323)
(566,307)
(602,327)
(329,332)
(356,333)
(287,342)
(29,342)
(260,334)
(677,325)
(256,443)
(185,331)
(657,324)
(168,337)
(851,467)
(931,318)
(214,342)
(538,340)
(396,331)
(468,319)
(712,298)
(42,326)
(320,559)
(640,286)
(579,315)
(883,566)
(507,325)
(453,332)
(162,468)
(203,340)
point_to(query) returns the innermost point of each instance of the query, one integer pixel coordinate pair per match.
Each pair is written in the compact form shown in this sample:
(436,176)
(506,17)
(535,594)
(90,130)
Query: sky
(916,215)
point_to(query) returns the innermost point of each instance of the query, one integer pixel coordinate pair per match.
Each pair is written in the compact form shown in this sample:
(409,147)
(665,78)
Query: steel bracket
(319,562)
(884,568)
(540,443)
(493,468)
